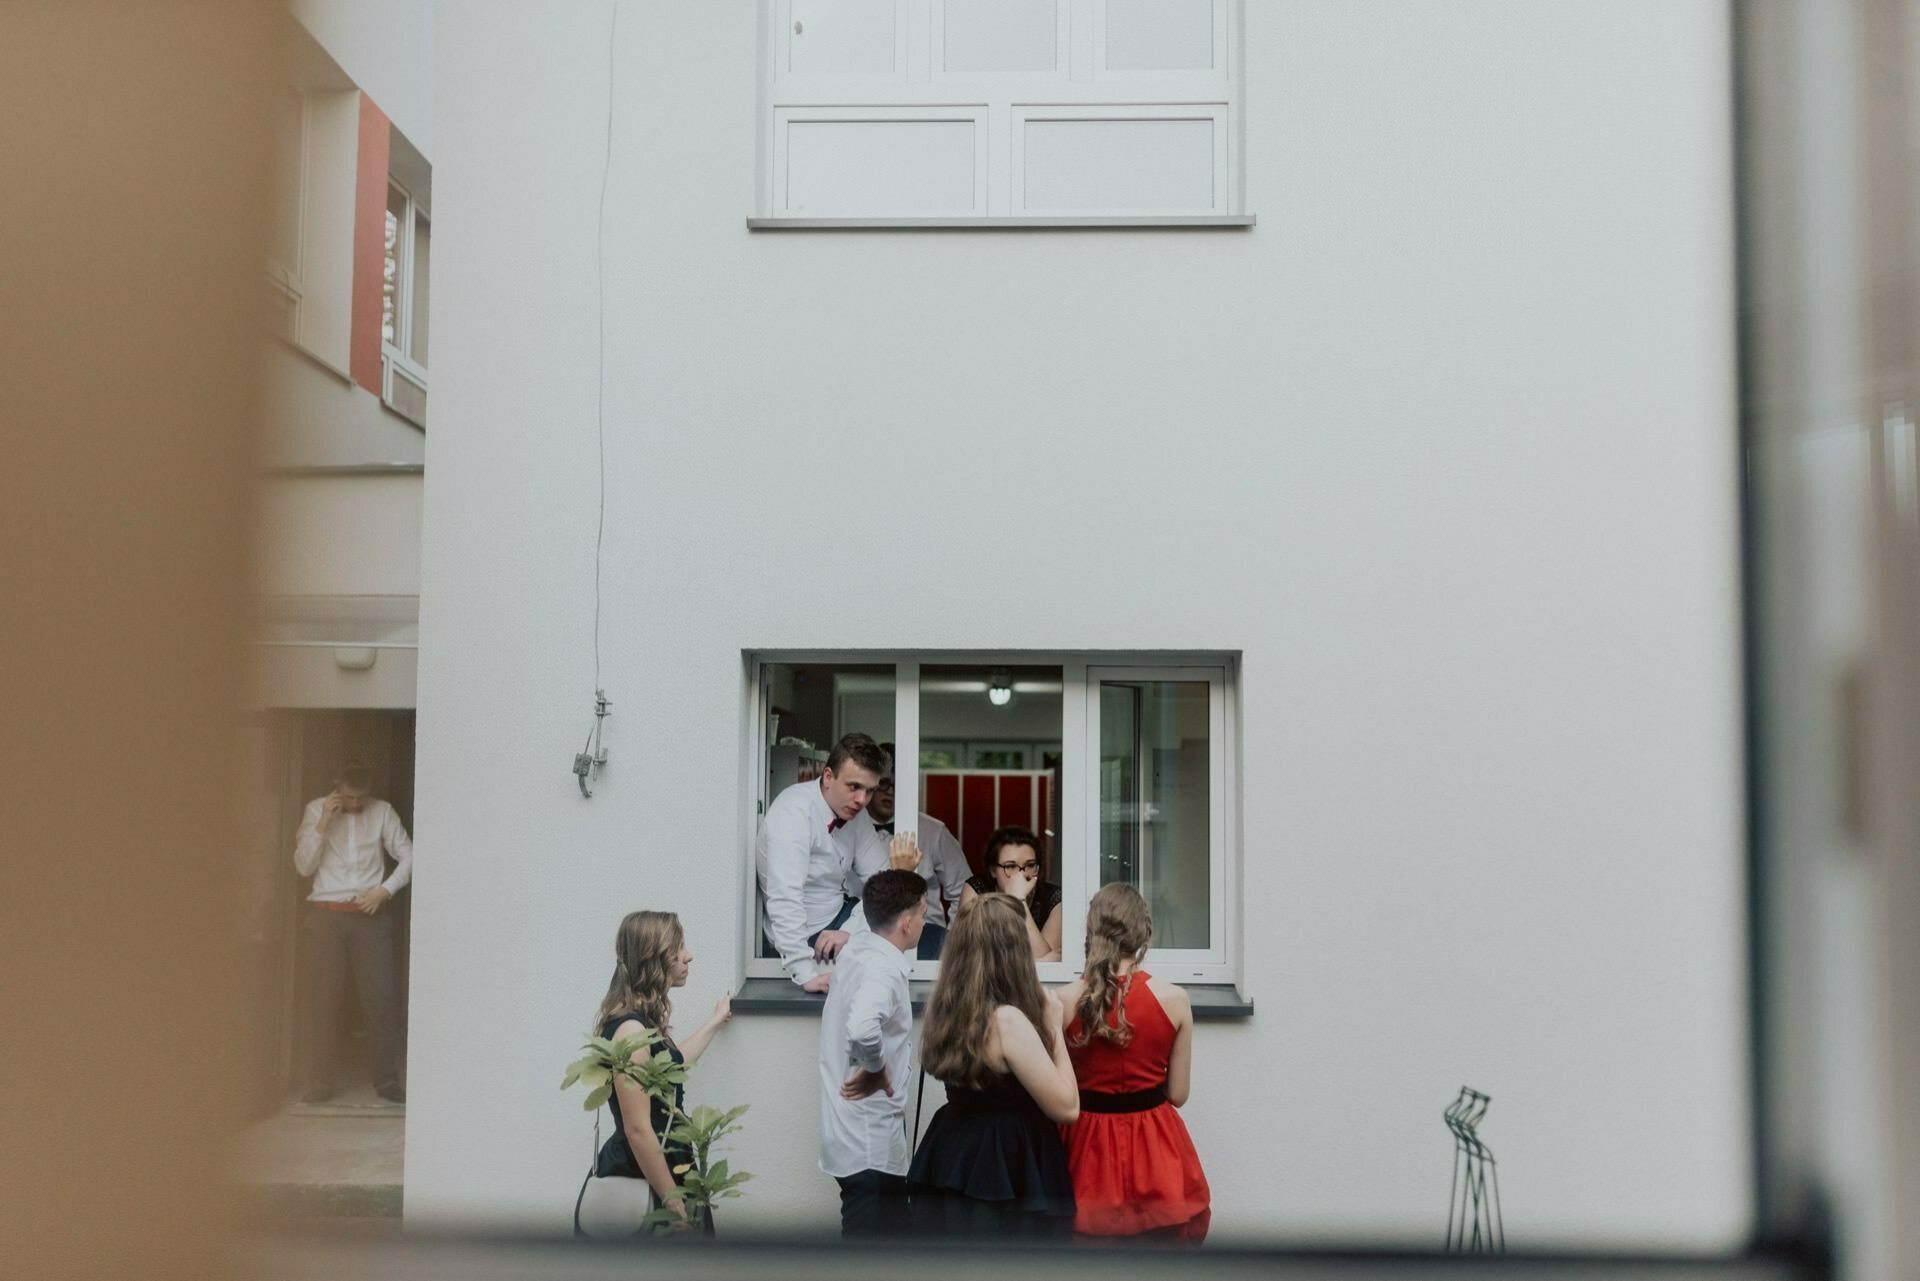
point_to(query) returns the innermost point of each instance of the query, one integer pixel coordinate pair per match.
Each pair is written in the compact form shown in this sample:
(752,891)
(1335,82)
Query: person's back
(1108,1067)
(1130,1038)
(992,1163)
(866,1051)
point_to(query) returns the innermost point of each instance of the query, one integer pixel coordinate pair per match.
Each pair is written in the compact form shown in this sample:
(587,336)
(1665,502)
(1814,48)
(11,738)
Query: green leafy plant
(644,1061)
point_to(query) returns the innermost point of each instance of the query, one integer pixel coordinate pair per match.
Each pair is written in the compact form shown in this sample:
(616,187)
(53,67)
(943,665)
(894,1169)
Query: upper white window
(286,230)
(1001,109)
(1122,766)
(403,303)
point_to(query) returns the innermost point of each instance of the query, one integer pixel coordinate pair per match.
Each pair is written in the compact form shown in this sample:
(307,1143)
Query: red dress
(1134,1168)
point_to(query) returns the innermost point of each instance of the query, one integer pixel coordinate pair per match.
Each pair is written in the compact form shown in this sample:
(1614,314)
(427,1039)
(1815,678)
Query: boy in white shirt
(866,1051)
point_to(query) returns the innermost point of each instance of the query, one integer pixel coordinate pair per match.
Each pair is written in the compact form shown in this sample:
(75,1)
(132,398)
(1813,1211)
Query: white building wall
(1444,447)
(386,47)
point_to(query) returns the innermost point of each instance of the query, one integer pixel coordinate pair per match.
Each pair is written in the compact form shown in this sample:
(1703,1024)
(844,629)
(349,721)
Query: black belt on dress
(1132,1101)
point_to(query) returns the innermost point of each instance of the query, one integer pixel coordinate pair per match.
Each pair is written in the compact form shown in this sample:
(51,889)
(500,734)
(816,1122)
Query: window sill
(391,411)
(312,357)
(1211,1001)
(1116,222)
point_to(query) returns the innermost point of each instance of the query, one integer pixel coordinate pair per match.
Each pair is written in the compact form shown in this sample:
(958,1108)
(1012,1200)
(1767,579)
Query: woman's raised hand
(723,1008)
(1020,885)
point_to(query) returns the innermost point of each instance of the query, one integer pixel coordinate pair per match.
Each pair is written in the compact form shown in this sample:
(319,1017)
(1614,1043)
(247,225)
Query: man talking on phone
(345,839)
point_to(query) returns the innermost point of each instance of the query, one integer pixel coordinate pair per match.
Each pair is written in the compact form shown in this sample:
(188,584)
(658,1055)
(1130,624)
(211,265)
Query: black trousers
(340,944)
(873,1204)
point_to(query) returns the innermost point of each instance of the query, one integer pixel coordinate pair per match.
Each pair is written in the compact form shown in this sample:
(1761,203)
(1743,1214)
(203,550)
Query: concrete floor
(335,1161)
(326,1149)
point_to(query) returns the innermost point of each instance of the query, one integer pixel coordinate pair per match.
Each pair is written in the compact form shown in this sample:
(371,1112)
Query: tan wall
(309,677)
(340,536)
(135,140)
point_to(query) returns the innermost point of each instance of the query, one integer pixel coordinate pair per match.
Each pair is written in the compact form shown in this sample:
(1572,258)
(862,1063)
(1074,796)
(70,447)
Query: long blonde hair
(987,963)
(643,952)
(1119,927)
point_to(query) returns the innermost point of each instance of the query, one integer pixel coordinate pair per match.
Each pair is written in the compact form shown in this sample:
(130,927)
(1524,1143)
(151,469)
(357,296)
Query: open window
(1122,765)
(407,256)
(803,709)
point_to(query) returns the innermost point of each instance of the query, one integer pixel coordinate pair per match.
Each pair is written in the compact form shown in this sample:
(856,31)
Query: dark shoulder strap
(608,1028)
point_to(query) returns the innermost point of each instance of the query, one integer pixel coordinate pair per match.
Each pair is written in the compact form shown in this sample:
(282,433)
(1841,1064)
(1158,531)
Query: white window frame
(1178,964)
(908,34)
(1223,51)
(289,278)
(786,117)
(395,362)
(937,49)
(917,87)
(1220,197)
(1078,849)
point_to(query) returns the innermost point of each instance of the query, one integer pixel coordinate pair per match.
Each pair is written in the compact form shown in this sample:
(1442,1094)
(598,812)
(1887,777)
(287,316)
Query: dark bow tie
(835,824)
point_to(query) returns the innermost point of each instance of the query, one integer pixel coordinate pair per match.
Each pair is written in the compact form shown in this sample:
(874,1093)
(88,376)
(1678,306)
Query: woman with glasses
(1013,869)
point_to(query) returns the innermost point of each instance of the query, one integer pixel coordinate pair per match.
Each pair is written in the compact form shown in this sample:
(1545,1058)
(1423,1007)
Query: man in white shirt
(344,840)
(943,864)
(805,855)
(866,1051)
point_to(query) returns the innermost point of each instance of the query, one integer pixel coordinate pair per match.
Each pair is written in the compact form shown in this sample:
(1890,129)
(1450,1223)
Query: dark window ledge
(1003,222)
(1211,1001)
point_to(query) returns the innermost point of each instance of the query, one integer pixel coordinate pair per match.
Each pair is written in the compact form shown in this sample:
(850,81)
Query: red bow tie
(834,825)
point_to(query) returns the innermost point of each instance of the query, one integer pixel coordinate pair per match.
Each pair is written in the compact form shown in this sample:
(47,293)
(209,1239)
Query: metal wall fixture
(1474,1224)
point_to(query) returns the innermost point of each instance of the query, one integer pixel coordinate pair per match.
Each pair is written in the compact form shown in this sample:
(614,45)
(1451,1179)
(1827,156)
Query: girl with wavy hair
(1130,1038)
(992,1163)
(650,960)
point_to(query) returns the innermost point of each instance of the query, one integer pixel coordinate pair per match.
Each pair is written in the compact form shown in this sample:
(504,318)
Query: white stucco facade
(1442,449)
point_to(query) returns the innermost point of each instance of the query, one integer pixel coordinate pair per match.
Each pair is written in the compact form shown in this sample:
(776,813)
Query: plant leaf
(598,1097)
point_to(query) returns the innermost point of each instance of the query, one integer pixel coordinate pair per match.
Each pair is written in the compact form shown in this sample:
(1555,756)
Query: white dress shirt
(868,1023)
(345,862)
(943,865)
(806,872)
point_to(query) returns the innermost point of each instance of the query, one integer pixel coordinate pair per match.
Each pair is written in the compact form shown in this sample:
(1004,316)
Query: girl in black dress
(650,960)
(992,1163)
(1015,868)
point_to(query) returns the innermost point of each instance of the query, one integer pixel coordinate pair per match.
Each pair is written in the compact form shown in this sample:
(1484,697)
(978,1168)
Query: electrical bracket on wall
(587,764)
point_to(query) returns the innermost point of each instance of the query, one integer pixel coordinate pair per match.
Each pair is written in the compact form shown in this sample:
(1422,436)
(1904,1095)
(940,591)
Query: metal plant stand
(1474,1224)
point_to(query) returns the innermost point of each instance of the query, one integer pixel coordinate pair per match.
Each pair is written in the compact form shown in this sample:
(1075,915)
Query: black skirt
(991,1165)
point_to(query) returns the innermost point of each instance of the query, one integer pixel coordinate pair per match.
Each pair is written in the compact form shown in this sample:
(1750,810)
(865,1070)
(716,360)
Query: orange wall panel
(369,244)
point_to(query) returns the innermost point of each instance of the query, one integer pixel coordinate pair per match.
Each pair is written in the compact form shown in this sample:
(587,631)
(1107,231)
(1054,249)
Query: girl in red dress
(1130,1037)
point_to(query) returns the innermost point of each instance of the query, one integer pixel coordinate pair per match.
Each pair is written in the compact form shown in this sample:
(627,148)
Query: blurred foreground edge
(136,151)
(423,1258)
